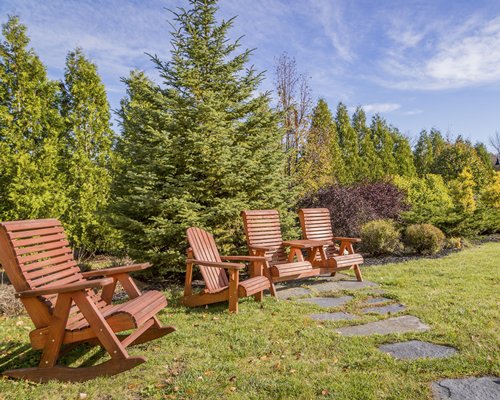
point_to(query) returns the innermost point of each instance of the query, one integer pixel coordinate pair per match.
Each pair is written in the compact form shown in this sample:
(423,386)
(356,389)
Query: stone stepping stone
(355,285)
(406,323)
(327,301)
(377,300)
(285,294)
(325,287)
(414,349)
(482,388)
(336,316)
(390,309)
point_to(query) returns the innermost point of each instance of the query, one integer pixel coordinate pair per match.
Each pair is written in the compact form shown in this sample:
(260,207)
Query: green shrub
(380,236)
(424,238)
(453,243)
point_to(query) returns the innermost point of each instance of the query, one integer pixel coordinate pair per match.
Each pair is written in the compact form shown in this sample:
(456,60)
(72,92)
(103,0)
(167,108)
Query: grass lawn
(273,350)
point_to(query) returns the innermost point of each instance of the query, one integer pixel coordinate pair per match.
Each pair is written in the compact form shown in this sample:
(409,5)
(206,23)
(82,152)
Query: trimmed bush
(424,238)
(380,237)
(352,206)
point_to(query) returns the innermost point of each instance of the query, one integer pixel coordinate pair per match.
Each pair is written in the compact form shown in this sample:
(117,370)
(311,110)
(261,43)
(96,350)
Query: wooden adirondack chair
(263,234)
(203,252)
(64,307)
(316,225)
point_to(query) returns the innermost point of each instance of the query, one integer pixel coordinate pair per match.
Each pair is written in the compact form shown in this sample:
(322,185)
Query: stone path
(378,300)
(390,309)
(327,301)
(483,388)
(323,284)
(406,323)
(414,349)
(474,388)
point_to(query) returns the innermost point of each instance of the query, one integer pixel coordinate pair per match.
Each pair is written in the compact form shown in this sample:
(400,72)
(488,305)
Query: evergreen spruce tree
(438,142)
(384,144)
(370,165)
(199,149)
(321,164)
(403,155)
(348,140)
(31,183)
(424,154)
(88,140)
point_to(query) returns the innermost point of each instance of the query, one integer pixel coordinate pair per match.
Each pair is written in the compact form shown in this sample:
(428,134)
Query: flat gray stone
(355,285)
(377,300)
(406,323)
(336,316)
(285,294)
(390,309)
(483,388)
(336,277)
(325,287)
(414,349)
(327,301)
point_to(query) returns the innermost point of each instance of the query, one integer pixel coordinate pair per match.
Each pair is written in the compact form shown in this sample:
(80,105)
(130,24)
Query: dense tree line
(200,146)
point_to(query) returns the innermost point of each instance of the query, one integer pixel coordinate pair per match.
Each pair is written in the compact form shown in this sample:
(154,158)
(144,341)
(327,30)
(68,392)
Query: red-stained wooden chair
(263,234)
(339,253)
(218,287)
(66,309)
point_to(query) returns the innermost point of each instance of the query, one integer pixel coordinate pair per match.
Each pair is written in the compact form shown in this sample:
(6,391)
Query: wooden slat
(41,248)
(38,240)
(44,263)
(50,270)
(35,232)
(27,225)
(53,253)
(205,249)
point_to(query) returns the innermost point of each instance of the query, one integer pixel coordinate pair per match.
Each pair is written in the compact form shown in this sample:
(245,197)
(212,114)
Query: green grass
(272,350)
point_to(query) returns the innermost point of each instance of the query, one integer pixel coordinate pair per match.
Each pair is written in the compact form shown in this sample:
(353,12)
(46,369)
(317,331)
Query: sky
(420,64)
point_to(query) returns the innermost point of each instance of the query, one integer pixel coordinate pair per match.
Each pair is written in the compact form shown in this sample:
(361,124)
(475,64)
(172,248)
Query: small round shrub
(453,243)
(424,238)
(380,237)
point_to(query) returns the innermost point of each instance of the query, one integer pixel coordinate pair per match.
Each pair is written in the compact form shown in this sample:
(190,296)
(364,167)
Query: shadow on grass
(20,355)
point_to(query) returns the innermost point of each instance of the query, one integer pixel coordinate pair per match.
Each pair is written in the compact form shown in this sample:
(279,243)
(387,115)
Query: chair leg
(357,271)
(233,291)
(100,326)
(56,331)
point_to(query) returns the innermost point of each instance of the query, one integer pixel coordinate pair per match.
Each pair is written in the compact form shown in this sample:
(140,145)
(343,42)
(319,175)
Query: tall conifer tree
(88,140)
(384,144)
(31,183)
(214,139)
(424,154)
(403,156)
(370,164)
(348,140)
(321,164)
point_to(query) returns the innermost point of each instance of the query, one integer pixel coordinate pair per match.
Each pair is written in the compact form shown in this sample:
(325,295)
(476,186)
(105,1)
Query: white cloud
(381,107)
(468,55)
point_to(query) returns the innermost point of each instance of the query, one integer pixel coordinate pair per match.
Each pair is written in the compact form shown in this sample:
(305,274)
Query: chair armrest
(347,239)
(306,243)
(116,270)
(71,287)
(244,258)
(226,265)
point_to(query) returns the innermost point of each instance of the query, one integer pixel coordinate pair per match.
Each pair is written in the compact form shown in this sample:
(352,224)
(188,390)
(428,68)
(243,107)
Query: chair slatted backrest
(316,223)
(262,228)
(36,254)
(204,248)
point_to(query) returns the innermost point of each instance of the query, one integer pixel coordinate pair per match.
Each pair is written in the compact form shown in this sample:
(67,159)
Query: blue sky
(421,64)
